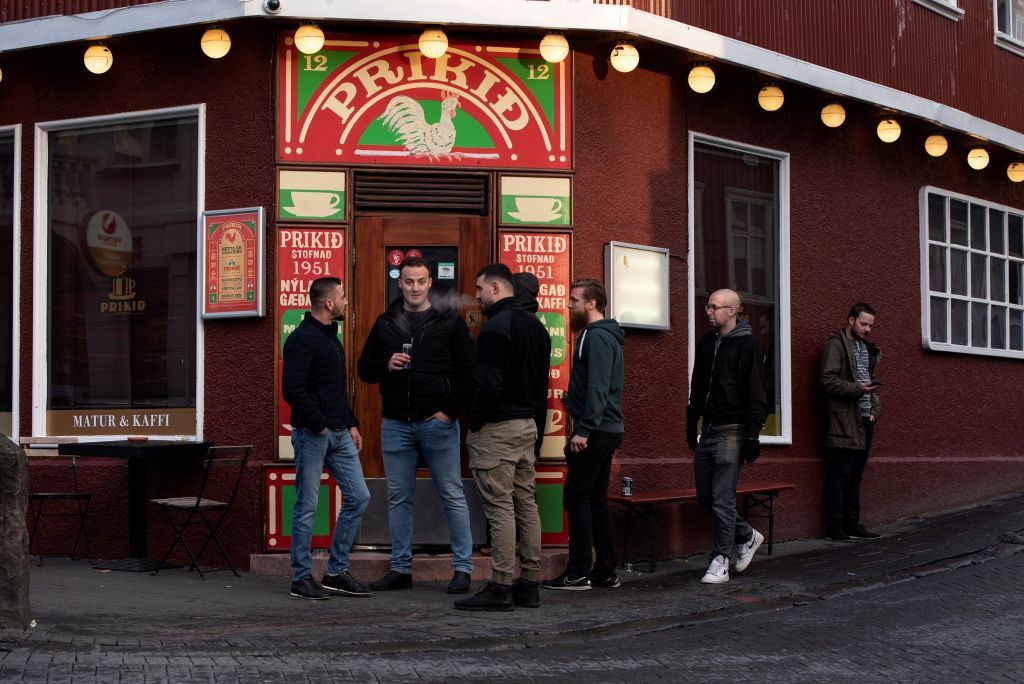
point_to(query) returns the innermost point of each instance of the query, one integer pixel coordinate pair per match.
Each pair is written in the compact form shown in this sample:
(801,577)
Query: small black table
(138,455)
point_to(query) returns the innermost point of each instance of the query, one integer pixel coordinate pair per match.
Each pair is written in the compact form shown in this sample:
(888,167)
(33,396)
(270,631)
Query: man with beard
(324,431)
(847,374)
(509,398)
(727,395)
(594,404)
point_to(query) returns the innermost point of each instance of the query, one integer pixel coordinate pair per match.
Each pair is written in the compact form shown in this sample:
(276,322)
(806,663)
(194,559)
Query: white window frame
(15,284)
(926,323)
(40,261)
(785,336)
(1005,40)
(948,8)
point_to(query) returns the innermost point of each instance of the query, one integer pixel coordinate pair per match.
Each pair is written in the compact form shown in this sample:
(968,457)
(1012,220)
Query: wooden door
(374,238)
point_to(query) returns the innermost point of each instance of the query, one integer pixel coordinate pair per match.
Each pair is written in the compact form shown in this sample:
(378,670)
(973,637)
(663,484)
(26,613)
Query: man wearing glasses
(727,397)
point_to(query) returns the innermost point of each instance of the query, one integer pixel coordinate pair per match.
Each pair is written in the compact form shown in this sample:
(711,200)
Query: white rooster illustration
(404,117)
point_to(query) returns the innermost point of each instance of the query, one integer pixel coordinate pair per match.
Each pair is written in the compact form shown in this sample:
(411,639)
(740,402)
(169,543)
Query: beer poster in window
(232,262)
(549,257)
(303,255)
(493,103)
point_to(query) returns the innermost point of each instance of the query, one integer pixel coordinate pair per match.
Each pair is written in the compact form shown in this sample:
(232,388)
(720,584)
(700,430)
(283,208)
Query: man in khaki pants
(509,402)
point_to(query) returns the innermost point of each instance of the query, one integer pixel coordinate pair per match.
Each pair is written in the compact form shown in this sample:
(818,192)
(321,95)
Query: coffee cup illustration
(542,209)
(124,287)
(306,203)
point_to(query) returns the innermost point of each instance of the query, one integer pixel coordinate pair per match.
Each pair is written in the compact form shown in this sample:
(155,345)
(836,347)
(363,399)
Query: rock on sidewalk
(14,609)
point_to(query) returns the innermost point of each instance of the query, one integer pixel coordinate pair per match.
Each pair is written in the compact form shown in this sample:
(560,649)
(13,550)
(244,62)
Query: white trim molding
(15,285)
(40,257)
(531,16)
(947,8)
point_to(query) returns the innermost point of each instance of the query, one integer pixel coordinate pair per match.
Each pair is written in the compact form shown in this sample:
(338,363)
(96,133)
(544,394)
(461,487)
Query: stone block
(14,608)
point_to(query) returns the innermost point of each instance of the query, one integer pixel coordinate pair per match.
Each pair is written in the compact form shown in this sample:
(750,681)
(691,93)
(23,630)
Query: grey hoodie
(595,385)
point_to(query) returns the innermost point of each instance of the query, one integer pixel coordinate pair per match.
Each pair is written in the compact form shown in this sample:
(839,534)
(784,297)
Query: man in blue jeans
(727,396)
(324,432)
(424,387)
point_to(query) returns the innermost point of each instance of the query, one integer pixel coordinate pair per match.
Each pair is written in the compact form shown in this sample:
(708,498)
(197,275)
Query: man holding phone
(847,374)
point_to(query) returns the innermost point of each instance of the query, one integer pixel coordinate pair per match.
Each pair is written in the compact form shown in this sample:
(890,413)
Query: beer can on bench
(627,486)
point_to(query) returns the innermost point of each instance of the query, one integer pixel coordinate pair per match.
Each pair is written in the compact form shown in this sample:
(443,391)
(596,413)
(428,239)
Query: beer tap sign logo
(380,100)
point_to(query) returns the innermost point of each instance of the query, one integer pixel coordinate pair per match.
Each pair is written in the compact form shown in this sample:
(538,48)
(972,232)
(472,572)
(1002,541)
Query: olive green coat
(837,374)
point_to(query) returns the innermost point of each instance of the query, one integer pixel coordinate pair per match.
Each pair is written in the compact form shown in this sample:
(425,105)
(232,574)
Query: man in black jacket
(727,393)
(509,399)
(324,432)
(423,392)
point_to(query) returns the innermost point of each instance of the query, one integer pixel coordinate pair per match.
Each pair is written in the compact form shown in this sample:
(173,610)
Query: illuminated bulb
(309,39)
(215,43)
(936,145)
(554,47)
(977,158)
(1015,172)
(701,78)
(770,98)
(433,43)
(625,57)
(833,115)
(98,58)
(888,130)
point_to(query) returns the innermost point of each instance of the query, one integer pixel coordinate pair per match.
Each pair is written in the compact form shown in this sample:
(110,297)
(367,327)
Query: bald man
(727,397)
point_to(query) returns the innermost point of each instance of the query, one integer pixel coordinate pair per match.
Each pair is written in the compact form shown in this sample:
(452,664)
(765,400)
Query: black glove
(691,437)
(750,449)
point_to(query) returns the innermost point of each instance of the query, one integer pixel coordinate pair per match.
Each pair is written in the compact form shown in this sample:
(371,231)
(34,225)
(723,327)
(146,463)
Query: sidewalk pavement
(82,611)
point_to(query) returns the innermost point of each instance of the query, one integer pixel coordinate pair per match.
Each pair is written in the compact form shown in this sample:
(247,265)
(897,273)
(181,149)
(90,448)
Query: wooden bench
(758,496)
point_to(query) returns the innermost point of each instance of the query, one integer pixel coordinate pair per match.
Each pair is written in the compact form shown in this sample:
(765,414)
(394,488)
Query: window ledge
(944,8)
(1009,43)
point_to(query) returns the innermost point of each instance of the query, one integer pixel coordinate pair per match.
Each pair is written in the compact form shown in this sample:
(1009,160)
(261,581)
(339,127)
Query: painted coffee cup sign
(303,255)
(311,195)
(536,200)
(548,256)
(492,104)
(233,263)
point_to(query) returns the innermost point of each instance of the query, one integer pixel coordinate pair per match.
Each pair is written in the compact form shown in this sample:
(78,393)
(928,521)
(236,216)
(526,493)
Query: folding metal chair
(73,495)
(221,478)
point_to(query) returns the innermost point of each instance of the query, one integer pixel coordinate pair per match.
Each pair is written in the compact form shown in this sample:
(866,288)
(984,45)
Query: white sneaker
(745,552)
(718,571)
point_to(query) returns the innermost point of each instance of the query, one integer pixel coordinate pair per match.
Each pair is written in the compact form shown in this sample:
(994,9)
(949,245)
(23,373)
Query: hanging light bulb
(770,97)
(977,158)
(433,43)
(701,78)
(1,74)
(833,115)
(215,42)
(309,39)
(625,57)
(554,47)
(936,145)
(98,58)
(1015,172)
(888,130)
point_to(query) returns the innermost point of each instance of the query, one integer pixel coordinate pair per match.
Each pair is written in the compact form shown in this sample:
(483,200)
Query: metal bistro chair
(221,478)
(63,498)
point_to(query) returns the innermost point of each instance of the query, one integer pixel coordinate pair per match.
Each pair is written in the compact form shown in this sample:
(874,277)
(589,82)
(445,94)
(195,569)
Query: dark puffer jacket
(313,378)
(440,376)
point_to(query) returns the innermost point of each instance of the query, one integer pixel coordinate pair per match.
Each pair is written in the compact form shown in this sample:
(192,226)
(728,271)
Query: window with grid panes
(973,274)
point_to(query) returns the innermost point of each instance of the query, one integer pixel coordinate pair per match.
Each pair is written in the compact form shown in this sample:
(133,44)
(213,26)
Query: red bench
(757,496)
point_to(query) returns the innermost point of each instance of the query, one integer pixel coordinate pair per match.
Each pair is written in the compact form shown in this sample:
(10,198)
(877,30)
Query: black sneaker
(346,584)
(568,582)
(393,580)
(837,534)
(491,597)
(459,583)
(860,532)
(308,588)
(526,594)
(609,582)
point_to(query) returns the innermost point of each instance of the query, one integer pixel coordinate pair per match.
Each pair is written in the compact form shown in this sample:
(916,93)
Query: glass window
(1010,19)
(737,246)
(974,301)
(121,229)
(6,279)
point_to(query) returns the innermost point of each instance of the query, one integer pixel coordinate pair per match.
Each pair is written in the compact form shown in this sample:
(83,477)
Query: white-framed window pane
(958,321)
(958,222)
(7,166)
(939,325)
(1015,229)
(936,217)
(979,324)
(937,268)
(1015,282)
(979,273)
(1016,330)
(996,227)
(958,271)
(997,273)
(998,327)
(977,227)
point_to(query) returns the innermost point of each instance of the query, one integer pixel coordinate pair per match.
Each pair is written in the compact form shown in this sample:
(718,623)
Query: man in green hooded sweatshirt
(594,404)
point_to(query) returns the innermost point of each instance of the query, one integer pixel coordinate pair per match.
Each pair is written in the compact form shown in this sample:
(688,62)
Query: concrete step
(371,565)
